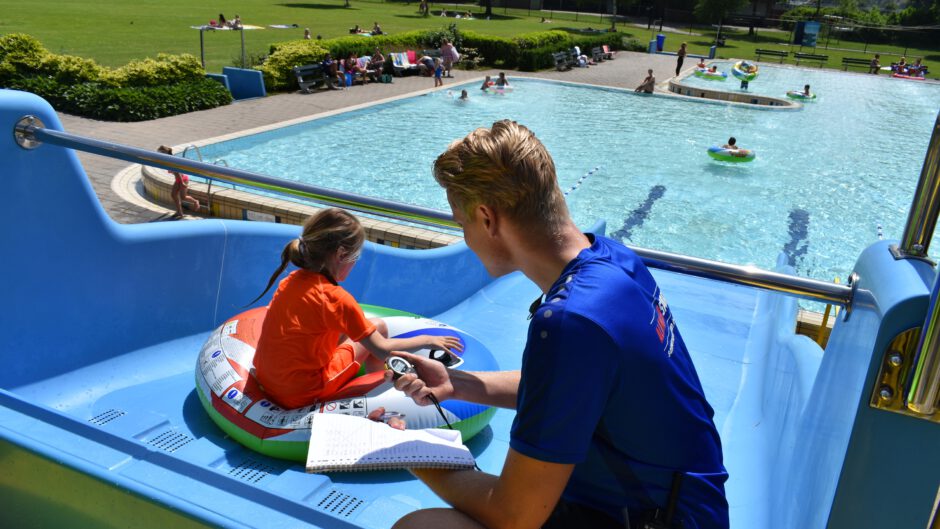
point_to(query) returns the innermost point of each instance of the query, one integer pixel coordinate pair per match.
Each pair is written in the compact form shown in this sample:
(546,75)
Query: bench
(851,61)
(310,75)
(597,54)
(773,53)
(561,61)
(810,57)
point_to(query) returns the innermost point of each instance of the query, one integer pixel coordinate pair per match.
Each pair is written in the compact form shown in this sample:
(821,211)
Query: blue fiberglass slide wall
(86,288)
(804,448)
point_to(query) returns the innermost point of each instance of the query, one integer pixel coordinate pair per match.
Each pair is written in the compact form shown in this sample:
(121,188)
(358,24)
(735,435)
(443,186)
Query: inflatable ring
(797,94)
(498,90)
(908,77)
(744,70)
(235,402)
(731,155)
(705,73)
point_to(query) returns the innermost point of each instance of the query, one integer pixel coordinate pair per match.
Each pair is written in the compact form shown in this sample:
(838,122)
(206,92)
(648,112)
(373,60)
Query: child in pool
(486,83)
(315,336)
(501,81)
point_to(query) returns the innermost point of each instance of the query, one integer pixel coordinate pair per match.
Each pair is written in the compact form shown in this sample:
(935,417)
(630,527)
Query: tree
(717,10)
(488,4)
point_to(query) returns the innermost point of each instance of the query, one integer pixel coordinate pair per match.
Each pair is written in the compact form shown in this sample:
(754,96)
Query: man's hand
(431,377)
(393,420)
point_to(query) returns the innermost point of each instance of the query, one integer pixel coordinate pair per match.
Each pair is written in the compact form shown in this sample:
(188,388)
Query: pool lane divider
(581,180)
(638,216)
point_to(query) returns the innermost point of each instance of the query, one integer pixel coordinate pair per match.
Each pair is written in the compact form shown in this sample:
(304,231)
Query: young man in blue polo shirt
(610,414)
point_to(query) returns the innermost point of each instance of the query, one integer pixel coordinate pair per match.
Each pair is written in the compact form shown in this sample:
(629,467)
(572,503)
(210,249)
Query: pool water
(825,177)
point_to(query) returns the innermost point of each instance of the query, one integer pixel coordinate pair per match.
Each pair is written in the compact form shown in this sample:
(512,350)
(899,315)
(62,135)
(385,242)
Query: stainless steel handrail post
(30,134)
(925,371)
(925,207)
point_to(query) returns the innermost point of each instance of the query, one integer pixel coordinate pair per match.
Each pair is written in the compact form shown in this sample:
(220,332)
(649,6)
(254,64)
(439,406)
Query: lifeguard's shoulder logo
(662,320)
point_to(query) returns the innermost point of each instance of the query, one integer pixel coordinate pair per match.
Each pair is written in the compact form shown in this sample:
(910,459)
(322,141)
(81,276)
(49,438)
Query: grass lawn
(113,32)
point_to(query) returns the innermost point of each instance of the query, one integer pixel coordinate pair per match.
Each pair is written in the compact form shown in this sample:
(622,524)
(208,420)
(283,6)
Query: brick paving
(626,71)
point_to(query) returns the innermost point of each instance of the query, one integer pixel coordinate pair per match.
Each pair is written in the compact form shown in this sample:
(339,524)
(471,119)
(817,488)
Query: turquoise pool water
(824,179)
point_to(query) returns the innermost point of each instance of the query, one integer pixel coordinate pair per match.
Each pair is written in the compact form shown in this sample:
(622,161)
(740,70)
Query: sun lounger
(401,65)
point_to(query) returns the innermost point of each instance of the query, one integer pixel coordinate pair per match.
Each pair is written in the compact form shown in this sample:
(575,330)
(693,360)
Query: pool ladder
(220,161)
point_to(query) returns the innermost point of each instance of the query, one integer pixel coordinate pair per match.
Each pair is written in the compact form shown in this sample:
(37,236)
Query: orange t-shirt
(299,356)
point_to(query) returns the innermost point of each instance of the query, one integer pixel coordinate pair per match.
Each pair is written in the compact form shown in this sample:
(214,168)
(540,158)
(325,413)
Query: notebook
(343,443)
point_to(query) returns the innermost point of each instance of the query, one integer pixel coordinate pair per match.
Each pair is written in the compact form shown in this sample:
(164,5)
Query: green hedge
(278,68)
(98,101)
(528,52)
(140,90)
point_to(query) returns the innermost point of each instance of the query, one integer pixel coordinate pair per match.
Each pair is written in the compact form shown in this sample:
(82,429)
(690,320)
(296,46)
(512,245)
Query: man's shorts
(570,515)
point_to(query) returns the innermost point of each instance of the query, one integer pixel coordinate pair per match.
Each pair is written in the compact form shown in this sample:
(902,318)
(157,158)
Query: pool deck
(626,71)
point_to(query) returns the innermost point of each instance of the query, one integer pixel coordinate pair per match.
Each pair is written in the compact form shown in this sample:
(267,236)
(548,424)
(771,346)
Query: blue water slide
(101,325)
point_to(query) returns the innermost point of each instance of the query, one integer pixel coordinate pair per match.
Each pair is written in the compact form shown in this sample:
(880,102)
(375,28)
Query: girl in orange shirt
(315,336)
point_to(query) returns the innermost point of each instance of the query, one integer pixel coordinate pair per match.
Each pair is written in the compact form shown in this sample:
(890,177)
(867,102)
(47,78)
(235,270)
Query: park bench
(310,75)
(561,61)
(810,57)
(597,54)
(773,53)
(851,61)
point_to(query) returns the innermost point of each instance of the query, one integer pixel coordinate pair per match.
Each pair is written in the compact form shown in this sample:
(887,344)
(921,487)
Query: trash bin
(660,39)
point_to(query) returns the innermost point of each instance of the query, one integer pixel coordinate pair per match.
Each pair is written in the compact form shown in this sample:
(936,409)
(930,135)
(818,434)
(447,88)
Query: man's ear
(489,218)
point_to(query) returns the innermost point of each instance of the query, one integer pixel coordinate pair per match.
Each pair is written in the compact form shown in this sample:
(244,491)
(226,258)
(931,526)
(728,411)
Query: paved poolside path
(626,71)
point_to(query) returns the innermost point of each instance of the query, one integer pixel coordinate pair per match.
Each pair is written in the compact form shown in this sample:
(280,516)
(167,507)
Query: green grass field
(113,32)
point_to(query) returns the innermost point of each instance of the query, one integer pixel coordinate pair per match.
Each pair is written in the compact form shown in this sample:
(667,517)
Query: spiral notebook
(343,443)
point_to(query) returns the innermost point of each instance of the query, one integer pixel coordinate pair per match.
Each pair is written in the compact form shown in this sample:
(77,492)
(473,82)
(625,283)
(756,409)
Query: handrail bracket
(23,132)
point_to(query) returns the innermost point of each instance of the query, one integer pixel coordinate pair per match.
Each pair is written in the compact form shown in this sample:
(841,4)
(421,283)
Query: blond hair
(325,232)
(507,168)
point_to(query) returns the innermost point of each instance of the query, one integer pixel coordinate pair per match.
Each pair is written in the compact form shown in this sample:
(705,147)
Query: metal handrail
(34,134)
(31,133)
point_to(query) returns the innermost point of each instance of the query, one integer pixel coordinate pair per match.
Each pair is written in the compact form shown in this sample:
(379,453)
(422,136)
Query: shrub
(532,59)
(23,47)
(542,39)
(45,87)
(494,50)
(412,40)
(451,33)
(141,103)
(470,59)
(146,89)
(164,70)
(277,69)
(69,69)
(20,54)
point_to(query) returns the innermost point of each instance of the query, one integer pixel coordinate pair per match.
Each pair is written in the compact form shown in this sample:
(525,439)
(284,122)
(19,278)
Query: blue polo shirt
(608,385)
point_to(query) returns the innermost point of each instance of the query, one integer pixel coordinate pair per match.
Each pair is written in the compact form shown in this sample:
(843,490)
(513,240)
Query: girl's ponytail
(291,253)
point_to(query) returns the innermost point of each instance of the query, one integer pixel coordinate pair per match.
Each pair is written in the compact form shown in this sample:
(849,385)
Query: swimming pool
(824,179)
